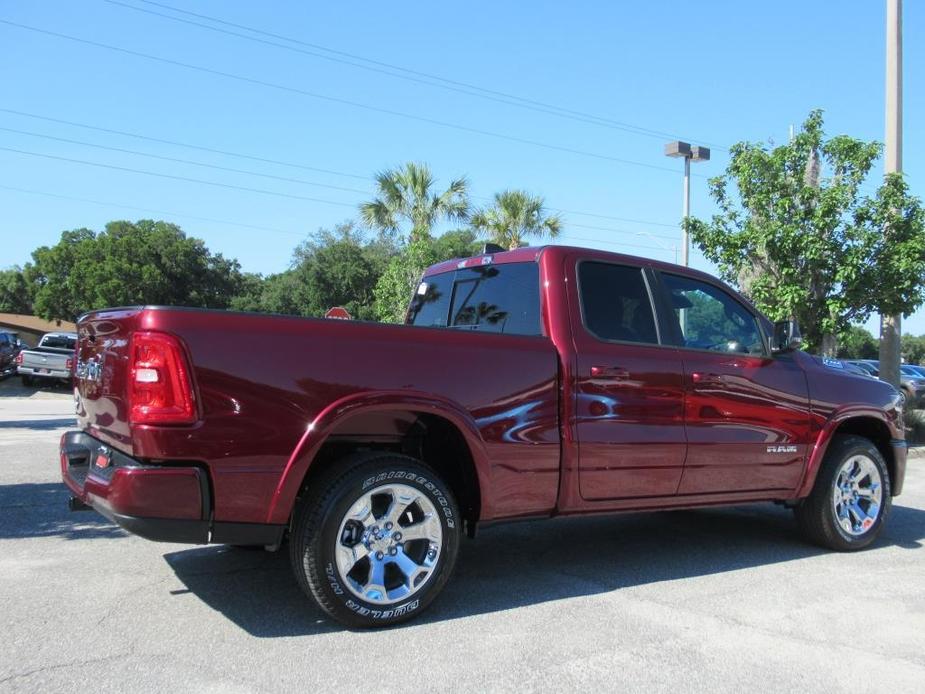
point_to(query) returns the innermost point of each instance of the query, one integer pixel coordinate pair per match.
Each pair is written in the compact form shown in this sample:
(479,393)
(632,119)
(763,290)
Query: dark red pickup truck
(532,383)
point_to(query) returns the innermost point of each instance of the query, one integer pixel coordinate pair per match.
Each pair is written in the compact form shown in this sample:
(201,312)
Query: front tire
(851,498)
(375,544)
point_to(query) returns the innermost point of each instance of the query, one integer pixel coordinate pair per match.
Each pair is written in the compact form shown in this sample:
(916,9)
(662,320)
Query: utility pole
(891,326)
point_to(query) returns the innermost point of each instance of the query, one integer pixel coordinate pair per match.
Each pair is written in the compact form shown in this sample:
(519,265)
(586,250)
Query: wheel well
(874,430)
(427,437)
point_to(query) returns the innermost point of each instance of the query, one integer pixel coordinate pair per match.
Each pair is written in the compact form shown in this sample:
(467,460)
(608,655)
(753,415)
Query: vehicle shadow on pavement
(39,424)
(514,565)
(40,510)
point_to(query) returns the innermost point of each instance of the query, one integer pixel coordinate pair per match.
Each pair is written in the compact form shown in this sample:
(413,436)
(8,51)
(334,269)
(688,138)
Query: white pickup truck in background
(51,360)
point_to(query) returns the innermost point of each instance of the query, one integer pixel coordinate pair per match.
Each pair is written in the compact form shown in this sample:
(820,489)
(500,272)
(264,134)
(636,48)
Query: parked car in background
(8,352)
(51,360)
(865,366)
(854,368)
(915,368)
(912,383)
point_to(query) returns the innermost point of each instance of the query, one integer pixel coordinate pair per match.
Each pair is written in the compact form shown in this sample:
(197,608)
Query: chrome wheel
(858,495)
(388,544)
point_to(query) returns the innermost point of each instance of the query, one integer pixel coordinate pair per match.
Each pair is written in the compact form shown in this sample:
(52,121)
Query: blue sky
(710,72)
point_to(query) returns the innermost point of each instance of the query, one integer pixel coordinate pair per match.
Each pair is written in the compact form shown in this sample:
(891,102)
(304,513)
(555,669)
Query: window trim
(716,284)
(643,271)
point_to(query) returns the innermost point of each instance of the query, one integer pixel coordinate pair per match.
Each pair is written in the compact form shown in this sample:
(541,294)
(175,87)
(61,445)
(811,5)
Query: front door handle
(706,379)
(617,373)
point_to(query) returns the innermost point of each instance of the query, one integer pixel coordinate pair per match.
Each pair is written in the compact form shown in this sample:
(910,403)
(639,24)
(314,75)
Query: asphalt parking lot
(718,600)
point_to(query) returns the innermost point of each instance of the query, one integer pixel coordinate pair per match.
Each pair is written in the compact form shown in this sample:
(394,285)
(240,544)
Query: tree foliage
(514,217)
(332,268)
(15,292)
(396,285)
(129,263)
(857,343)
(796,234)
(913,349)
(406,196)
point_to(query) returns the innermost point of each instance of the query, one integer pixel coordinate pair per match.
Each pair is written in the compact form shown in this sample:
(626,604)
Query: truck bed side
(271,389)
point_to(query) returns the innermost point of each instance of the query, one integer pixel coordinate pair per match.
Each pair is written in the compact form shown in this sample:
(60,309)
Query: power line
(618,244)
(608,216)
(395,70)
(240,224)
(248,172)
(337,100)
(176,160)
(624,231)
(279,162)
(174,143)
(185,179)
(154,211)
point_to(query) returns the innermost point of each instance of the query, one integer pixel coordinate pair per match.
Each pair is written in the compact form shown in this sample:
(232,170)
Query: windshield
(59,342)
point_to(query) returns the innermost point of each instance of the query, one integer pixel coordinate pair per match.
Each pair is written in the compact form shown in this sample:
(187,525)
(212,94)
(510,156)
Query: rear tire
(851,498)
(375,540)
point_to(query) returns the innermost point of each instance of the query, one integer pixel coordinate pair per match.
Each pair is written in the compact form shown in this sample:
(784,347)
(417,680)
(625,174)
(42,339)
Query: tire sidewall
(852,448)
(347,605)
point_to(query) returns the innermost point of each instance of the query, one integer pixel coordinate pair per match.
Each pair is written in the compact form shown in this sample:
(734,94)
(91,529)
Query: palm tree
(407,195)
(514,216)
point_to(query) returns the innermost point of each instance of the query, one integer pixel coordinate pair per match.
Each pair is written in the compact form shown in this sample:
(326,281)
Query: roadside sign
(338,313)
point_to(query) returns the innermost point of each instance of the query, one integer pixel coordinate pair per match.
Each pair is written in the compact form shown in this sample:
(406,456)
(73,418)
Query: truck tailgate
(101,375)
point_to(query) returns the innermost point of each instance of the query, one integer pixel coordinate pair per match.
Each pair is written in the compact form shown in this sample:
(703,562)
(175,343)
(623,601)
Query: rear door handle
(618,373)
(707,379)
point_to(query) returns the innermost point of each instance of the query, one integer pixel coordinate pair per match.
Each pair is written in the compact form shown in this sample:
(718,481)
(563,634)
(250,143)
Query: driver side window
(709,318)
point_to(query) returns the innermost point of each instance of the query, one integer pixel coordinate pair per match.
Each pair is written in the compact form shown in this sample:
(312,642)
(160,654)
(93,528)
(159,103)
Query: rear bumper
(43,372)
(900,453)
(166,503)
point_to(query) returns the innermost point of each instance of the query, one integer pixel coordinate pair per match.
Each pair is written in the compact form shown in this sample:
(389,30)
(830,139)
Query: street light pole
(685,239)
(689,153)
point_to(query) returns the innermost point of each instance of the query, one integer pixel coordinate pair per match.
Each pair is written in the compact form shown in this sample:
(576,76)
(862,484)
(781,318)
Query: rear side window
(615,303)
(431,302)
(498,299)
(490,298)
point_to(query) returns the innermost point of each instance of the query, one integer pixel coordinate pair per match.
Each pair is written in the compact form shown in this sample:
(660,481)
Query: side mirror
(786,337)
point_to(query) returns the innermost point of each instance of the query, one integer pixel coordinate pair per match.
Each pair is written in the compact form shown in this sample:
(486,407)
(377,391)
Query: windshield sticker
(832,363)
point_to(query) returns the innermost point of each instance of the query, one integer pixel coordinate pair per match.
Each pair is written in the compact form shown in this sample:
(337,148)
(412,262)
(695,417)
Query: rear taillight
(159,389)
(19,359)
(69,364)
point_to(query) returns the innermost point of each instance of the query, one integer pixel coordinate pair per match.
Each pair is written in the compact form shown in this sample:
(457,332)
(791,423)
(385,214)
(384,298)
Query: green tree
(857,343)
(15,292)
(514,217)
(406,196)
(250,291)
(459,243)
(400,278)
(396,285)
(799,238)
(129,263)
(333,268)
(338,269)
(913,349)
